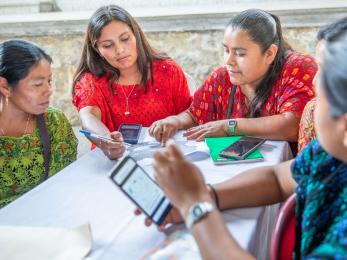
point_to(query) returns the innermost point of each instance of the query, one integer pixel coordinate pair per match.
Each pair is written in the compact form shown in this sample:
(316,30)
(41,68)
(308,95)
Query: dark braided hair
(264,29)
(17,58)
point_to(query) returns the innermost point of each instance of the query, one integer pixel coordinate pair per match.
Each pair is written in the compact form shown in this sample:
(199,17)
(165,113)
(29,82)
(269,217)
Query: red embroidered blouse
(291,91)
(169,95)
(307,132)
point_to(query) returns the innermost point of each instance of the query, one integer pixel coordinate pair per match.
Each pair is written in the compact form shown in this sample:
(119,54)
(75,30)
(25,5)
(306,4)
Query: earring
(6,100)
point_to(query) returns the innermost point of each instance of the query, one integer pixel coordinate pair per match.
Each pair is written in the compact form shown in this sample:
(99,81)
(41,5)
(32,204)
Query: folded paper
(20,242)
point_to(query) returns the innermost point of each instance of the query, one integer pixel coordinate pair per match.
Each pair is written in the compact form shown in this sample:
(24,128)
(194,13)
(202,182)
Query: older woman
(122,79)
(35,141)
(261,90)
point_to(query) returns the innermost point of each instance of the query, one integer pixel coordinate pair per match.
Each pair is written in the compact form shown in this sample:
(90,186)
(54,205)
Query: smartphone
(242,147)
(130,132)
(136,184)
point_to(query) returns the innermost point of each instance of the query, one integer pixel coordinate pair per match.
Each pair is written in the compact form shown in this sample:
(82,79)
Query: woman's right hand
(180,180)
(113,150)
(162,130)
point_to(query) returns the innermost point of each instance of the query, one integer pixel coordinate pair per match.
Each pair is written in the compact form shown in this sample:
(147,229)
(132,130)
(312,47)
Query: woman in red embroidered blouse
(272,85)
(121,79)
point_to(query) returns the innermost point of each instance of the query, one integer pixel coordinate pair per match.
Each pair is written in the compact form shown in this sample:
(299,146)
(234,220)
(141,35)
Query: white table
(82,193)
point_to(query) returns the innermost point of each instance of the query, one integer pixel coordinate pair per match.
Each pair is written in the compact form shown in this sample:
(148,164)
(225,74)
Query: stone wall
(196,51)
(192,35)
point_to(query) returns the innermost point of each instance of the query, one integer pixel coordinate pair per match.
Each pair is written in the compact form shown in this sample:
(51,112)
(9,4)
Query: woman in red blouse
(121,79)
(261,90)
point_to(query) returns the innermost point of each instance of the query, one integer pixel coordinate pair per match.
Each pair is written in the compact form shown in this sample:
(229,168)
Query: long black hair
(17,58)
(334,68)
(264,29)
(92,62)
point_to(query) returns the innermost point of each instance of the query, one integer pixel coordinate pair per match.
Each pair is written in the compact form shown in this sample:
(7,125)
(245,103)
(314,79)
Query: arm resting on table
(257,187)
(184,120)
(215,241)
(277,127)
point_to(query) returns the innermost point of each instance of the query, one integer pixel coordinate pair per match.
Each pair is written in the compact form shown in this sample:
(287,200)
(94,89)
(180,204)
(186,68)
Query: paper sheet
(42,243)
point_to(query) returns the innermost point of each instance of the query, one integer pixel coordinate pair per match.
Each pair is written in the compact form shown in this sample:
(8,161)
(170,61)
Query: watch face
(197,211)
(232,123)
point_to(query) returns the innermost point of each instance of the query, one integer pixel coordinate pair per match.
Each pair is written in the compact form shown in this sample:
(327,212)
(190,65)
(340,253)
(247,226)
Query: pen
(105,138)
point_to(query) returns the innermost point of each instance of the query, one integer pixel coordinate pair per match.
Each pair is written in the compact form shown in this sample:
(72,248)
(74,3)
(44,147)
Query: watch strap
(197,212)
(232,125)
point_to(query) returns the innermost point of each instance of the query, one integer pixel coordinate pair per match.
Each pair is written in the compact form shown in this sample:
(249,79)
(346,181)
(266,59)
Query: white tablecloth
(82,193)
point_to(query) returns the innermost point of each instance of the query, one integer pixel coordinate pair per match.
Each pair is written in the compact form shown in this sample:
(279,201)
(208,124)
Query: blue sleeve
(330,250)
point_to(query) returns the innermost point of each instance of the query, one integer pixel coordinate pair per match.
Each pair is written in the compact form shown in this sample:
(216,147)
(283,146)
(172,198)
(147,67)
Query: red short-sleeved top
(291,91)
(168,95)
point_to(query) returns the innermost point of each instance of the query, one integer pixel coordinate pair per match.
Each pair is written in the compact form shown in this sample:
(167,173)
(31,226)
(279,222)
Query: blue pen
(105,138)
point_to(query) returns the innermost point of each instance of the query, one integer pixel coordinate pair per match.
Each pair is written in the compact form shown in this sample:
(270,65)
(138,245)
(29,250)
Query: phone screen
(242,147)
(130,132)
(141,189)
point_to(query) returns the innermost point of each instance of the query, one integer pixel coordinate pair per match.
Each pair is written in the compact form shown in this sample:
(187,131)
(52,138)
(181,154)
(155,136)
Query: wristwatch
(197,212)
(232,125)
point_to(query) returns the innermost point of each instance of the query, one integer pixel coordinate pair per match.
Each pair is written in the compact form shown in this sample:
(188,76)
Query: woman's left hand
(210,129)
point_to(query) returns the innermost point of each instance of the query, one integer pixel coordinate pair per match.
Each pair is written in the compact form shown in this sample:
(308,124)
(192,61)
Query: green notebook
(217,144)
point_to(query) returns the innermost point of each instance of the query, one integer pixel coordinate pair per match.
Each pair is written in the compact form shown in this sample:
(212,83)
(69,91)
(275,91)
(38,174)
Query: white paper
(20,242)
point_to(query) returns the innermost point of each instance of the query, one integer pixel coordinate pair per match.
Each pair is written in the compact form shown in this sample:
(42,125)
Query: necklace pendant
(126,113)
